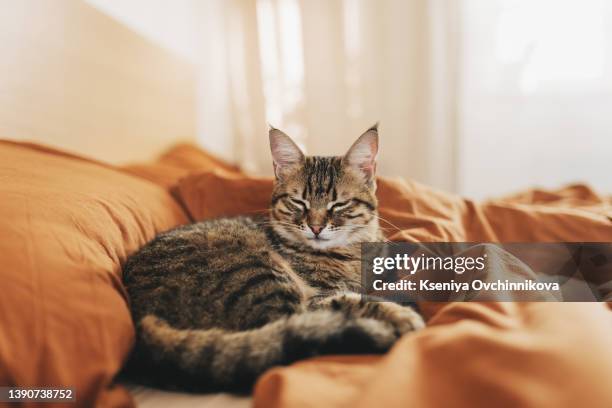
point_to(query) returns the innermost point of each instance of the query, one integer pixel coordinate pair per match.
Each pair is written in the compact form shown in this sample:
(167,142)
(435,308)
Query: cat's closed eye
(301,203)
(338,206)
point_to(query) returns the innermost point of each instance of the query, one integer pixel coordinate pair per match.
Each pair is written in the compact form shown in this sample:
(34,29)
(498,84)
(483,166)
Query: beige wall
(73,78)
(172,24)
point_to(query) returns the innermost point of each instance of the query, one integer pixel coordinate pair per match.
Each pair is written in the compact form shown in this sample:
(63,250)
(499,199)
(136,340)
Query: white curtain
(474,96)
(324,71)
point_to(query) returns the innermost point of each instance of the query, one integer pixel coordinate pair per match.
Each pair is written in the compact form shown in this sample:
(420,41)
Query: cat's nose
(316,229)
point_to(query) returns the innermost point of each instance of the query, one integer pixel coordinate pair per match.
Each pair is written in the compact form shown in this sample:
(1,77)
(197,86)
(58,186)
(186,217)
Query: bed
(70,214)
(69,222)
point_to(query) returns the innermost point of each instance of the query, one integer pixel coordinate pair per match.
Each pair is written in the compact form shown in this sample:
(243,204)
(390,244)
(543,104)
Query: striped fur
(219,302)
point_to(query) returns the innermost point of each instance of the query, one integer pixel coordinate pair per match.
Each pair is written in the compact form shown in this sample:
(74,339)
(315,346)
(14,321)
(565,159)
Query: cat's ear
(286,155)
(362,154)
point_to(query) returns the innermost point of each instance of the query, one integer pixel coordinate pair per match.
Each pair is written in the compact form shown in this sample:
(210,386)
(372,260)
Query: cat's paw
(404,319)
(368,336)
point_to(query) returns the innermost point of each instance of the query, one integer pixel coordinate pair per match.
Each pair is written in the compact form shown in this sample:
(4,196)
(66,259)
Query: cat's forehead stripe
(321,175)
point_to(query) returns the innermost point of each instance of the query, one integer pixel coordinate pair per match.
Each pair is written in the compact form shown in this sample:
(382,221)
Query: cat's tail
(216,359)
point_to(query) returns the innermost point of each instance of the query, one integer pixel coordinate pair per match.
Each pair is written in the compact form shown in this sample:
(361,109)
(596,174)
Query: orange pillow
(177,162)
(219,193)
(66,226)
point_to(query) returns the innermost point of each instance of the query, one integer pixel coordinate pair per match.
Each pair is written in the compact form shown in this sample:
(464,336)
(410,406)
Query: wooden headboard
(73,78)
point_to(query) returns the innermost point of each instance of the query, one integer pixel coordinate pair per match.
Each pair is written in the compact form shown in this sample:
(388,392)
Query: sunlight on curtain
(537,35)
(352,20)
(280,39)
(331,69)
(536,95)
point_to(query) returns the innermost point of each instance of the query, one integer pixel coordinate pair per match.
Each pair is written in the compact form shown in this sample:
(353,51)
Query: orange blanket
(471,355)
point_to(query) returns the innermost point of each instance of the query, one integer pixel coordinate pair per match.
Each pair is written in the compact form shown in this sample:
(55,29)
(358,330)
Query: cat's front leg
(404,319)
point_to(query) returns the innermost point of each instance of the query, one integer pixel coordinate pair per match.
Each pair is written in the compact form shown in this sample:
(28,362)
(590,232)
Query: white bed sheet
(146,397)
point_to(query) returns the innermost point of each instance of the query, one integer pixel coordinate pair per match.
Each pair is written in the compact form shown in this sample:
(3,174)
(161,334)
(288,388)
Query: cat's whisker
(388,222)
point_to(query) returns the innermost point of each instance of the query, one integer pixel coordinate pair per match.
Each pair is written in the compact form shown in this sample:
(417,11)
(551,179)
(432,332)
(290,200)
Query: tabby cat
(217,303)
